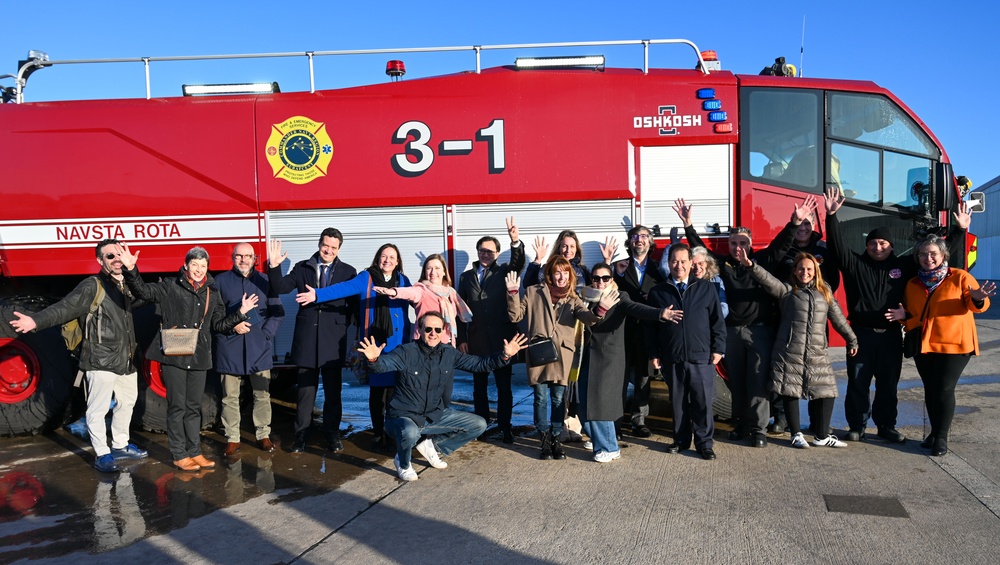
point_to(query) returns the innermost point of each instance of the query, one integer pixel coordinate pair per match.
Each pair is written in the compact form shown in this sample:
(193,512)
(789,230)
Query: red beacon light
(711,59)
(395,69)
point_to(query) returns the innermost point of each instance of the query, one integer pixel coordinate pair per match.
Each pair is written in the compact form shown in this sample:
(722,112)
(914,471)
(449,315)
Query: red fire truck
(432,164)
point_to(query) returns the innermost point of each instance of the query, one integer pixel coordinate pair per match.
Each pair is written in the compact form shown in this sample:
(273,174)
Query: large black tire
(46,408)
(722,406)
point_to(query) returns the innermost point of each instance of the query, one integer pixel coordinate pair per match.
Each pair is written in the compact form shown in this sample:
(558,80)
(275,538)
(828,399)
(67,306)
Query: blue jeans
(455,429)
(543,392)
(602,435)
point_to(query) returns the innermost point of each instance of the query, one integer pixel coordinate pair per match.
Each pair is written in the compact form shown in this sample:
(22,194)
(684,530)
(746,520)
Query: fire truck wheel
(722,406)
(36,373)
(151,408)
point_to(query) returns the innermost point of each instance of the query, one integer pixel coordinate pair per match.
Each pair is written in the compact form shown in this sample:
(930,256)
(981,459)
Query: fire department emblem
(299,150)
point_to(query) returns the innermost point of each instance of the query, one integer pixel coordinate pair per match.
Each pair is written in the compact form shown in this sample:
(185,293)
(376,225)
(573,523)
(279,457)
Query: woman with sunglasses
(189,300)
(382,318)
(602,374)
(552,310)
(434,293)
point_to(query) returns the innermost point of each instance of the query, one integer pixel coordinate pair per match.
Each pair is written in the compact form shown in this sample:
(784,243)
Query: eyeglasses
(640,236)
(429,329)
(247,257)
(602,278)
(110,256)
(931,255)
(484,251)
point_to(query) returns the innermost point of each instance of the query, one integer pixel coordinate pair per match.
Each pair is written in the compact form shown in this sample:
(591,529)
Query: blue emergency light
(705,93)
(709,105)
(716,116)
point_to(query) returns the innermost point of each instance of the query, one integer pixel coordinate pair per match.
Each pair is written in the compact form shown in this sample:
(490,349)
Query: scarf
(381,327)
(932,279)
(557,293)
(451,306)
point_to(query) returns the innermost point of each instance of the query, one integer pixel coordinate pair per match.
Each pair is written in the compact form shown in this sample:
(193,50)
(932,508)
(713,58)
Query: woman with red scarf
(939,302)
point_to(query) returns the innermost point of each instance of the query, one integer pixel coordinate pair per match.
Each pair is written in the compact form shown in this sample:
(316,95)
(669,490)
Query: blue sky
(940,58)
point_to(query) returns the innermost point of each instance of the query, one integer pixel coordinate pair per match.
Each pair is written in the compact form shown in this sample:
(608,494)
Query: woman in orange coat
(941,301)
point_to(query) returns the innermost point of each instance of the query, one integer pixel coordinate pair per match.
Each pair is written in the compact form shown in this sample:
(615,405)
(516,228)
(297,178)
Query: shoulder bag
(182,341)
(542,351)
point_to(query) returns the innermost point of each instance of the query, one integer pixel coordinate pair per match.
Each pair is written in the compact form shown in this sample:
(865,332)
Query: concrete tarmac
(871,502)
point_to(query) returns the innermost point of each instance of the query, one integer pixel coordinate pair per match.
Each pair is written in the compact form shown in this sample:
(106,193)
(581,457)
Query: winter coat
(699,334)
(361,287)
(490,325)
(800,362)
(181,306)
(427,378)
(949,326)
(320,336)
(557,322)
(749,304)
(636,351)
(246,354)
(602,375)
(109,340)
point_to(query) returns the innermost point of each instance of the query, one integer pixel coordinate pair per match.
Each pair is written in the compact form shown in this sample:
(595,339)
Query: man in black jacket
(482,287)
(874,282)
(688,350)
(319,344)
(106,356)
(424,383)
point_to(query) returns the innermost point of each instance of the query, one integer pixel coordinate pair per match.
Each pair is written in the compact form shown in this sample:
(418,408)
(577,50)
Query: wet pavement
(55,506)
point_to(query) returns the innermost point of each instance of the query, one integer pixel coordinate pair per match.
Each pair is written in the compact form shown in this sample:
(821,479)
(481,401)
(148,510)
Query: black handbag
(542,351)
(914,338)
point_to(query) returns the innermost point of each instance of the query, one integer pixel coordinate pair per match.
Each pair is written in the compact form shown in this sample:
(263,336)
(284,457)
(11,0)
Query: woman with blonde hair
(801,367)
(434,293)
(552,309)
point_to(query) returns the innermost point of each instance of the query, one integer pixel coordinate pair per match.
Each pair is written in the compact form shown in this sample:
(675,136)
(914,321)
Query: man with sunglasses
(106,355)
(421,405)
(482,287)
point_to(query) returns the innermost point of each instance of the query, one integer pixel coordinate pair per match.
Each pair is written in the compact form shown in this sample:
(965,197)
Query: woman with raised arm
(434,293)
(189,300)
(938,304)
(801,367)
(553,310)
(382,318)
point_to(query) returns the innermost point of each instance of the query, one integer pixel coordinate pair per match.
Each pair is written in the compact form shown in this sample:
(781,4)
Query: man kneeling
(421,403)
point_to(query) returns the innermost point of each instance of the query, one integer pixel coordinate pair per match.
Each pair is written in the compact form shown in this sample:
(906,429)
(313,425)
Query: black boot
(546,452)
(557,450)
(301,439)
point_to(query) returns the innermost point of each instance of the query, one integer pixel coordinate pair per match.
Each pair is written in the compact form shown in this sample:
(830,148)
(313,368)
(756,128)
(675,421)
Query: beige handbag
(182,341)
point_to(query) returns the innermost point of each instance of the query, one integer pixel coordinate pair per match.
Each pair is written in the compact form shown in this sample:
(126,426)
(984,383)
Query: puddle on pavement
(53,503)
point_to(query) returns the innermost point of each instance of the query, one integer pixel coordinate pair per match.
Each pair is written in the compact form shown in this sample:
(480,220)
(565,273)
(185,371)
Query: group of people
(589,334)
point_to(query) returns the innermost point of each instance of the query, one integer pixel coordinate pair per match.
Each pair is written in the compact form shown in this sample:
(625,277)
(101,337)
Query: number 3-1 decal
(418,148)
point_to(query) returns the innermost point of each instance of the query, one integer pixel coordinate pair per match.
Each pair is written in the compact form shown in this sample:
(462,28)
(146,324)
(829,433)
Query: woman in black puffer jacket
(187,301)
(800,363)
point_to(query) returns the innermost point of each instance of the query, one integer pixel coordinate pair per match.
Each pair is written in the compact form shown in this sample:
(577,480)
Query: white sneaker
(799,440)
(829,441)
(427,449)
(607,456)
(407,474)
(588,444)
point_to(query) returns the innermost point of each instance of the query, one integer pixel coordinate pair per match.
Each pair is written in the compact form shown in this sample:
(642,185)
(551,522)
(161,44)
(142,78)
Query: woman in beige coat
(553,310)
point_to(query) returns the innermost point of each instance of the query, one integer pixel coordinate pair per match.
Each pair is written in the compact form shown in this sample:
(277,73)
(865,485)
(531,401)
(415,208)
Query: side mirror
(977,202)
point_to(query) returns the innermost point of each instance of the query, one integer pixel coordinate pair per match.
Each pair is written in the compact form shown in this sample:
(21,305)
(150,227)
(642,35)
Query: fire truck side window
(783,131)
(878,155)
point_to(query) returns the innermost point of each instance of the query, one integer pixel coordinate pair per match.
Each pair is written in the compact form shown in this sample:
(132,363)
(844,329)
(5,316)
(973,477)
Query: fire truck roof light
(247,88)
(705,93)
(711,105)
(595,61)
(716,116)
(723,128)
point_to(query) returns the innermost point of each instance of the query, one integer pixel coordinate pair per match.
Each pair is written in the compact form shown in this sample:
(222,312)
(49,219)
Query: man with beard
(248,352)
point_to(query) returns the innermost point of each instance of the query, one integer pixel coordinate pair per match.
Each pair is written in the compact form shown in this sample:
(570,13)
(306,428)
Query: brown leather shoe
(266,445)
(187,464)
(231,448)
(203,462)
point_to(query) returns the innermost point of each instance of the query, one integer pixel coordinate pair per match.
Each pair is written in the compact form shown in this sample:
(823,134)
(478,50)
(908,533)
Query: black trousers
(880,356)
(940,373)
(308,380)
(820,414)
(185,390)
(505,396)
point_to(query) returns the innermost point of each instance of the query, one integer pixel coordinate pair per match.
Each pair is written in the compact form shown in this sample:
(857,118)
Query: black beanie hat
(880,233)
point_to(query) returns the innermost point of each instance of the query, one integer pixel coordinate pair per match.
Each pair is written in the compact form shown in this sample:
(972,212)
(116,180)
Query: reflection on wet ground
(52,501)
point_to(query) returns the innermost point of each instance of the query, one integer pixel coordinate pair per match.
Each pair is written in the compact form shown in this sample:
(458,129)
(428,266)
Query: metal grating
(868,505)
